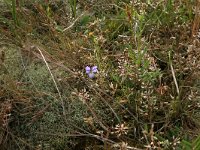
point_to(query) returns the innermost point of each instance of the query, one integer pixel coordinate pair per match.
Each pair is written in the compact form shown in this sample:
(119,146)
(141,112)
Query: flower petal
(91,75)
(94,69)
(87,69)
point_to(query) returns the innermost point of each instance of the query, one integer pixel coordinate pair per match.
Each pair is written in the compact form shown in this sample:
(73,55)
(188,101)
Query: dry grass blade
(174,77)
(53,78)
(72,24)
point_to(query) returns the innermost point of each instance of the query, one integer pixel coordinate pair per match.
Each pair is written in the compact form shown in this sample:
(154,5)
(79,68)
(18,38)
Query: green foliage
(73,5)
(14,13)
(194,145)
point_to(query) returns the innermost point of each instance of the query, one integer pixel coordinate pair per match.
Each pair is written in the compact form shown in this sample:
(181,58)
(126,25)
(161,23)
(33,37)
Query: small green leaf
(186,145)
(84,20)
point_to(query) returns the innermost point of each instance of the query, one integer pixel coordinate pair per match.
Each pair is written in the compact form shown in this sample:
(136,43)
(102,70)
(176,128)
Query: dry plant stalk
(196,22)
(52,76)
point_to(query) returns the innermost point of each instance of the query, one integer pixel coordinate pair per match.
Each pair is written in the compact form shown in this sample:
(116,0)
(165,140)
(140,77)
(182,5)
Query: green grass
(144,96)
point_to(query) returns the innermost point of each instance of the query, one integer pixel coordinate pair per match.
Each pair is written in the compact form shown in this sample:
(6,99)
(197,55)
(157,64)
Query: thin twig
(70,26)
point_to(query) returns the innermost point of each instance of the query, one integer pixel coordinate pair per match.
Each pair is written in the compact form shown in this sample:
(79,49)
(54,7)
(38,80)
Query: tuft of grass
(73,5)
(14,12)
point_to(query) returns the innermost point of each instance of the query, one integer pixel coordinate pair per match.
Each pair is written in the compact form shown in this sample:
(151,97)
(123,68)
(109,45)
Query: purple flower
(91,71)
